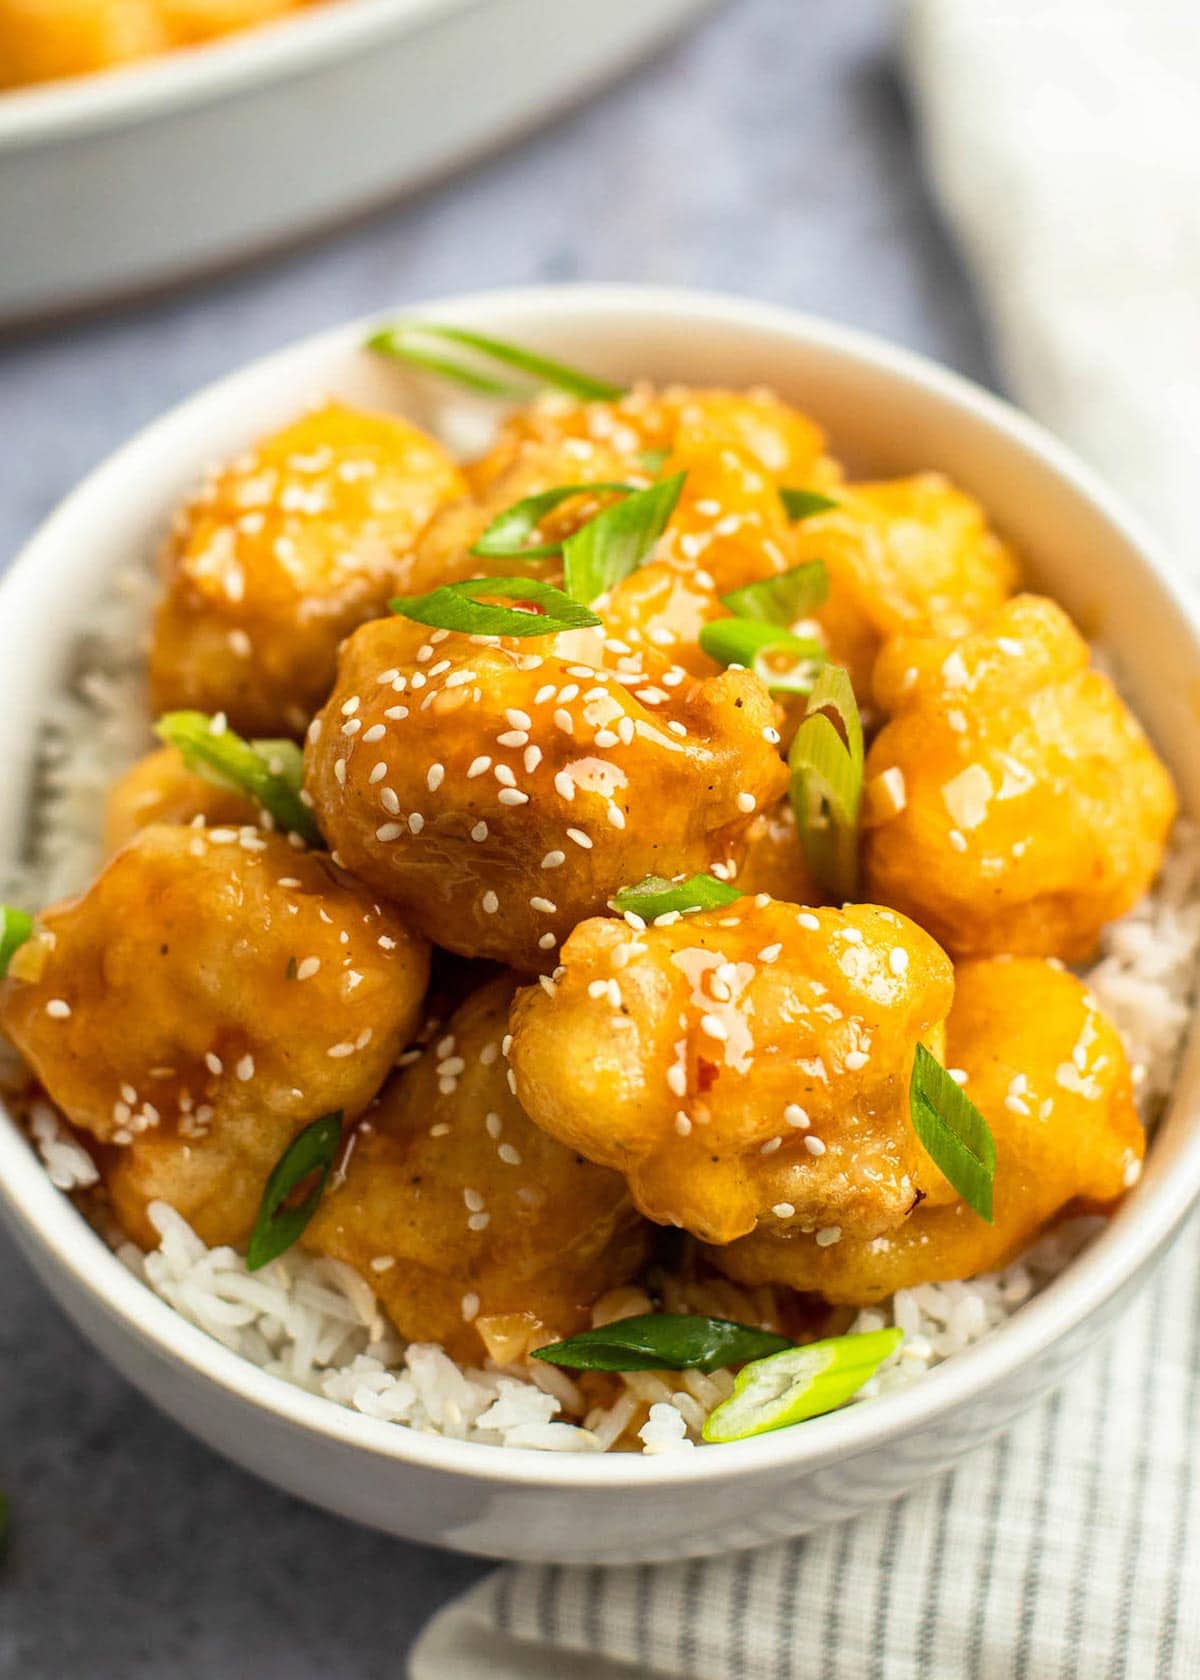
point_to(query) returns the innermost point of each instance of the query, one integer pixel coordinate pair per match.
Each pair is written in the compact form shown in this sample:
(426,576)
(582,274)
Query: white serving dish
(131,179)
(887,411)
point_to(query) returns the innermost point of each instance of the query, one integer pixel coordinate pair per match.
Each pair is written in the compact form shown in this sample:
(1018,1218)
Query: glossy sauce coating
(459,1212)
(282,553)
(211,993)
(741,1065)
(1048,1073)
(1032,808)
(500,791)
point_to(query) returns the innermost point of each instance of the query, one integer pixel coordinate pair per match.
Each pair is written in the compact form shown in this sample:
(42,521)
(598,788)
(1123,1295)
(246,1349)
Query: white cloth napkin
(1063,141)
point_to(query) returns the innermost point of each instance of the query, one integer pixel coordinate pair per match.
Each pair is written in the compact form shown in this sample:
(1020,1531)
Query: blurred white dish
(887,412)
(138,176)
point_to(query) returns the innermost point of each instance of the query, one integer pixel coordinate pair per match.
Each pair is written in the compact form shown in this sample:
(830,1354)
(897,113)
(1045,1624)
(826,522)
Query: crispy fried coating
(905,556)
(456,1208)
(160,788)
(1031,809)
(741,1065)
(502,791)
(1048,1073)
(282,553)
(203,1001)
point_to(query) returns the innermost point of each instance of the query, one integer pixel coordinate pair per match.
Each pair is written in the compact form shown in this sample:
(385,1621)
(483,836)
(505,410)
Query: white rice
(316,1323)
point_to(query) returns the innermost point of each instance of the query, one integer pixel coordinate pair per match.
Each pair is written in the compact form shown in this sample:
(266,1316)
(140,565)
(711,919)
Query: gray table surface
(770,154)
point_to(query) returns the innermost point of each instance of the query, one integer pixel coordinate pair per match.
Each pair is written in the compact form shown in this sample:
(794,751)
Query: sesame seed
(58,1009)
(478,766)
(470,1306)
(512,738)
(389,831)
(339,771)
(683,1124)
(377,774)
(349,707)
(339,1050)
(547,942)
(389,799)
(434,776)
(396,712)
(714,1027)
(805,920)
(416,822)
(518,719)
(546,692)
(605,739)
(308,968)
(513,796)
(473,1201)
(480,831)
(213,1063)
(543,905)
(770,953)
(533,757)
(856,1059)
(783,1210)
(375,733)
(245,1068)
(490,903)
(771,1145)
(509,1154)
(554,860)
(898,960)
(828,1235)
(794,1115)
(564,786)
(597,988)
(580,838)
(616,816)
(505,776)
(814,1146)
(351,726)
(746,802)
(479,1221)
(564,721)
(677,1080)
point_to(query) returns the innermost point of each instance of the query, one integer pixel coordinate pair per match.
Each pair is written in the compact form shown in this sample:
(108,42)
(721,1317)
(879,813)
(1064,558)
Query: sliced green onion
(786,663)
(953,1132)
(800,1383)
(15,928)
(277,1227)
(269,772)
(616,542)
(826,787)
(404,342)
(654,460)
(656,896)
(802,504)
(784,599)
(663,1342)
(468,607)
(512,531)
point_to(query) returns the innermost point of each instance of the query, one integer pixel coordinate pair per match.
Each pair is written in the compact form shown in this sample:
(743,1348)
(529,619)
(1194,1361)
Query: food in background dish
(724,760)
(46,40)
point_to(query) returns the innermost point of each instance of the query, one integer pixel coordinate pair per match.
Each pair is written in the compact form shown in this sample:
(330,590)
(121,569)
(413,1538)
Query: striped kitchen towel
(1063,141)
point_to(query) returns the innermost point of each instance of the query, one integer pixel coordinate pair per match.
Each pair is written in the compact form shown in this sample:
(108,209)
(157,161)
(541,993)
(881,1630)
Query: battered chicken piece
(1028,808)
(741,1065)
(457,1210)
(785,443)
(1048,1073)
(773,859)
(283,553)
(443,553)
(203,1001)
(161,789)
(911,556)
(501,791)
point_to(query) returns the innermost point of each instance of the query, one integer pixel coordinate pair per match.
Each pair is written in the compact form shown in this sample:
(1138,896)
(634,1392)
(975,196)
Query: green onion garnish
(277,1227)
(802,504)
(511,532)
(826,786)
(656,896)
(953,1132)
(654,460)
(404,342)
(269,772)
(786,663)
(784,599)
(15,928)
(615,543)
(800,1383)
(663,1342)
(467,606)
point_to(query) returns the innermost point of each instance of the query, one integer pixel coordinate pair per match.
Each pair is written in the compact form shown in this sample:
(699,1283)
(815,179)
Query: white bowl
(887,411)
(138,176)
